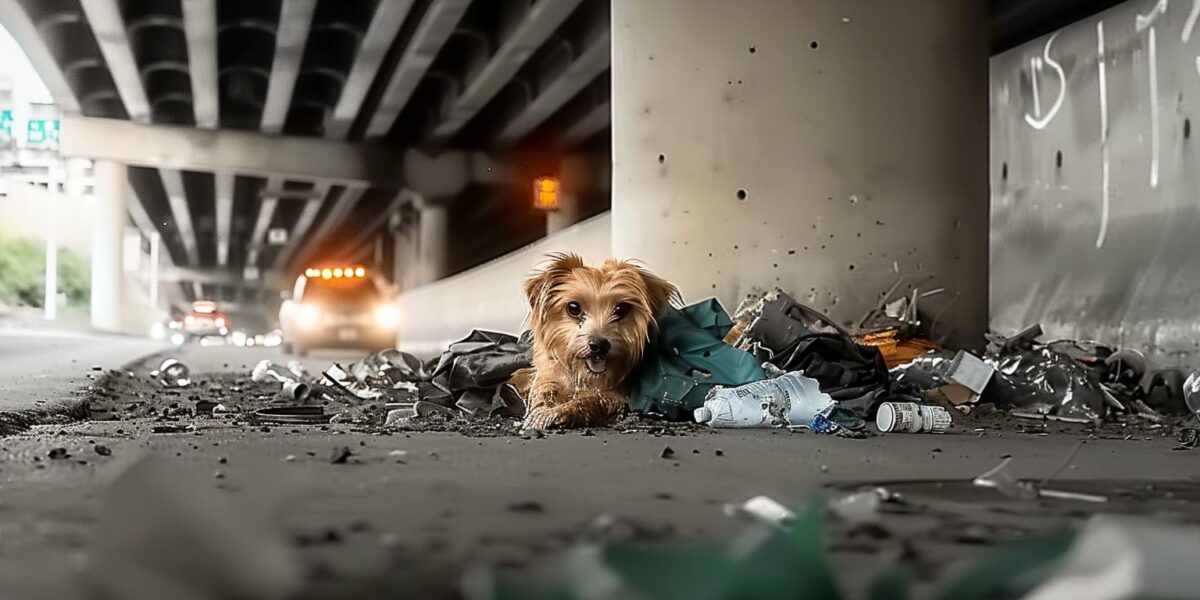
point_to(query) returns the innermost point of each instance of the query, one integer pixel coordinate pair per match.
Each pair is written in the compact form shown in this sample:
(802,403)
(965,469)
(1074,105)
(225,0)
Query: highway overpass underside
(255,136)
(823,148)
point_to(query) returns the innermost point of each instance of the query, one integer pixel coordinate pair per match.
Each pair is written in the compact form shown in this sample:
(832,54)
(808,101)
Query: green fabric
(686,358)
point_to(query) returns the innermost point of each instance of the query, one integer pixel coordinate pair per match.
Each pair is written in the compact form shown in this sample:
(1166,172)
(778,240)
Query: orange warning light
(545,193)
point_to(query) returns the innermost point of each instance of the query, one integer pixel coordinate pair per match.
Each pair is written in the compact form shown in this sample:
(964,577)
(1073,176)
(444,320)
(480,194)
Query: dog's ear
(542,282)
(660,292)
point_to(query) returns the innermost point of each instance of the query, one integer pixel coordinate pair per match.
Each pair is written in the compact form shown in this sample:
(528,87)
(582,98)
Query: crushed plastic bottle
(792,400)
(1191,393)
(172,373)
(266,371)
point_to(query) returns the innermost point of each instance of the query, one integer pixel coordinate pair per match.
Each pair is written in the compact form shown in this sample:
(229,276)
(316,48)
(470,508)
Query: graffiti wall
(1095,178)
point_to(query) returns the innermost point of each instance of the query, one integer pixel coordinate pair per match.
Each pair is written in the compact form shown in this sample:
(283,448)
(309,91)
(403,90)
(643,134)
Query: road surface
(38,366)
(410,513)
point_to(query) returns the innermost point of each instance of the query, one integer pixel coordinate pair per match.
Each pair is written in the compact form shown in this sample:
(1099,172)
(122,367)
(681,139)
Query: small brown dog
(590,328)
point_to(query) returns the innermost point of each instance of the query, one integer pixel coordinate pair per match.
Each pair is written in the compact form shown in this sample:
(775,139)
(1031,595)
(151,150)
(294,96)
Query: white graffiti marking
(1191,21)
(1035,66)
(1145,21)
(1104,162)
(1039,121)
(1154,119)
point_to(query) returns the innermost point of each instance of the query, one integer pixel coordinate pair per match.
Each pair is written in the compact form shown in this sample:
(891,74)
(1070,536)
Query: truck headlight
(310,316)
(387,316)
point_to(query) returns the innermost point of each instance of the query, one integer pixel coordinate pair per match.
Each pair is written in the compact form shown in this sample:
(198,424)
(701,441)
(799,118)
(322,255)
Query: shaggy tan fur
(590,328)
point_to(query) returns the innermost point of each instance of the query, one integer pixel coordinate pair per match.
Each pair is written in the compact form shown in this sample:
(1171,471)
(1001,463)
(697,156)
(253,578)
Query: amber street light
(545,193)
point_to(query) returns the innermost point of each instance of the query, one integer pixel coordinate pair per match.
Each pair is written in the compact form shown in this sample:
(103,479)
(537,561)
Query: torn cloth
(685,358)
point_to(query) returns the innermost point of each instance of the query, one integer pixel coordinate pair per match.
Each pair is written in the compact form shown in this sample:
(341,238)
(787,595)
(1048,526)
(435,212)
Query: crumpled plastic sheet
(1046,379)
(471,371)
(468,376)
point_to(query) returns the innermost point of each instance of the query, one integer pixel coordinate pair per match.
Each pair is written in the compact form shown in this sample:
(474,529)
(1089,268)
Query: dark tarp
(794,337)
(471,370)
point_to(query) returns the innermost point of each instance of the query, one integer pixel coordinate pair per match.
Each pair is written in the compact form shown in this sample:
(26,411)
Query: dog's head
(594,321)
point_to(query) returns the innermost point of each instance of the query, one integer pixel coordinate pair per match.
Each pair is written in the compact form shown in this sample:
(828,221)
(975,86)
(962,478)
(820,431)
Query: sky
(14,65)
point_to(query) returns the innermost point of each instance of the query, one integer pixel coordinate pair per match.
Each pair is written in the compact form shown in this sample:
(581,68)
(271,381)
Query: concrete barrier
(489,296)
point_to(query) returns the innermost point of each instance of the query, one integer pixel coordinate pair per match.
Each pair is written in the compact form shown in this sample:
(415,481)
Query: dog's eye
(620,311)
(574,309)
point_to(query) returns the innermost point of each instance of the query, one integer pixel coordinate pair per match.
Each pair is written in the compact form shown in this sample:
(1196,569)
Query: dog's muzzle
(597,361)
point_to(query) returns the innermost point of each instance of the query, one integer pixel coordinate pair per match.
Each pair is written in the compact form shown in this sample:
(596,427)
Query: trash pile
(470,379)
(1064,381)
(775,363)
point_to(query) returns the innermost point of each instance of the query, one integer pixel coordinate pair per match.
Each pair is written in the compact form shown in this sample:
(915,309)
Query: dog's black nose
(599,346)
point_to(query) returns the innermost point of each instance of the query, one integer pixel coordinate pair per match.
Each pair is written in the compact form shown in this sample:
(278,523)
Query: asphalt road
(411,513)
(40,366)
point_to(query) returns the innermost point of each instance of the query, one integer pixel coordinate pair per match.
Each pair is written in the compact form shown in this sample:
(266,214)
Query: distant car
(338,307)
(204,320)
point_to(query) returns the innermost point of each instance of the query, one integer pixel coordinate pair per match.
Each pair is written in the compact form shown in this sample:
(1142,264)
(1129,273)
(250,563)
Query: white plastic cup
(910,417)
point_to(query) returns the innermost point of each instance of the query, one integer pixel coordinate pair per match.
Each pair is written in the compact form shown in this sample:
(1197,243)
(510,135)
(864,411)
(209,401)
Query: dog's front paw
(541,419)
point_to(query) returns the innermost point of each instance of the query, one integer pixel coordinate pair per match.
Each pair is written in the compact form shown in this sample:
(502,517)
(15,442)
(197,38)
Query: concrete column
(433,223)
(155,263)
(110,189)
(826,147)
(404,262)
(50,298)
(575,177)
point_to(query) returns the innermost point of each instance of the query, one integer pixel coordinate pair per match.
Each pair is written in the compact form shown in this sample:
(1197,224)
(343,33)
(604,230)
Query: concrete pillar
(433,223)
(575,178)
(107,275)
(826,147)
(50,297)
(405,261)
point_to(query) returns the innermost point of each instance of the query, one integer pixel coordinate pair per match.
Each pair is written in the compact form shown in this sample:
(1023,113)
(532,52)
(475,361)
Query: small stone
(667,452)
(527,506)
(289,458)
(824,468)
(1189,438)
(719,452)
(102,450)
(340,455)
(223,460)
(219,475)
(59,454)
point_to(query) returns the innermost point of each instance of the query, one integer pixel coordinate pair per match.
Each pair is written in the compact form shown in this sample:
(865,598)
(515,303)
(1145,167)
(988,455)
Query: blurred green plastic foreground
(1108,558)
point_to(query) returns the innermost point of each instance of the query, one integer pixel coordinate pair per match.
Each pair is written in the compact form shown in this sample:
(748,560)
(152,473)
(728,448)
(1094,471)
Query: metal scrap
(172,373)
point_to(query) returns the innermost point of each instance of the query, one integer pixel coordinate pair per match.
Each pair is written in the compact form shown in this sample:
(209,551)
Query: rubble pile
(774,363)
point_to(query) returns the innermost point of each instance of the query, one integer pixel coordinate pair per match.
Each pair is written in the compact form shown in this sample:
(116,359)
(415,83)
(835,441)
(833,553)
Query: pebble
(340,455)
(527,506)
